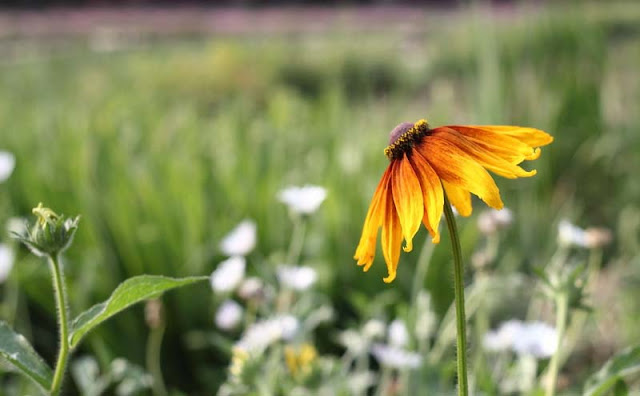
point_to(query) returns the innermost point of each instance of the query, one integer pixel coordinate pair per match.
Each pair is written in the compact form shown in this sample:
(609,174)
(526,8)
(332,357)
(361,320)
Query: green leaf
(623,364)
(17,351)
(129,292)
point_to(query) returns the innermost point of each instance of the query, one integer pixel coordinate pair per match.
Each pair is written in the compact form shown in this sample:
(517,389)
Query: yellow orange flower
(424,164)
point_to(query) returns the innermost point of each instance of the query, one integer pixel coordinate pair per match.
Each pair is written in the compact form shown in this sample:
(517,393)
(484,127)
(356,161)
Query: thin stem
(63,322)
(562,306)
(458,272)
(154,346)
(297,240)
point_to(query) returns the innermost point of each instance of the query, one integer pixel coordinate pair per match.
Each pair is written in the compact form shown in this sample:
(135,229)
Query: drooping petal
(460,170)
(366,250)
(530,136)
(486,158)
(407,197)
(391,239)
(432,194)
(459,198)
(500,144)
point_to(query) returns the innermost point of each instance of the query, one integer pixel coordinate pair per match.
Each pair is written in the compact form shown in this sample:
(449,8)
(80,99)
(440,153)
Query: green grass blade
(129,292)
(17,351)
(623,364)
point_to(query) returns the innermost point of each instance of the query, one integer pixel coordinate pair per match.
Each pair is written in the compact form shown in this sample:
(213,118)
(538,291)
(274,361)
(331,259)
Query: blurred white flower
(398,334)
(374,328)
(395,357)
(490,221)
(304,200)
(264,333)
(571,235)
(6,261)
(16,225)
(359,382)
(241,240)
(251,288)
(297,278)
(229,315)
(535,339)
(7,163)
(228,275)
(353,341)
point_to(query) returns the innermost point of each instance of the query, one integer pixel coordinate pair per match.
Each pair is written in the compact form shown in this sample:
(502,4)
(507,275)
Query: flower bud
(51,234)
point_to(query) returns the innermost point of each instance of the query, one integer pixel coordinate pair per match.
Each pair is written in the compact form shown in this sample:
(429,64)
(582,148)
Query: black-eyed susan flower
(424,164)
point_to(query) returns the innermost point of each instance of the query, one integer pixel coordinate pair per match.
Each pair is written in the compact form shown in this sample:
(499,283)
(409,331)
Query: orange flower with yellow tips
(424,164)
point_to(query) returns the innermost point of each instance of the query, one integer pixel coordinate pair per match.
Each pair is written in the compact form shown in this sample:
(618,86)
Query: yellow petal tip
(389,278)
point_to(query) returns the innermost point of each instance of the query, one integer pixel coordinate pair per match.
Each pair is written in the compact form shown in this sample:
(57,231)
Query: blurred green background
(165,144)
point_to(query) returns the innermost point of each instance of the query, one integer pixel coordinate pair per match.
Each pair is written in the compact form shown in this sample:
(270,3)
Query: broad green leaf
(129,292)
(17,351)
(623,364)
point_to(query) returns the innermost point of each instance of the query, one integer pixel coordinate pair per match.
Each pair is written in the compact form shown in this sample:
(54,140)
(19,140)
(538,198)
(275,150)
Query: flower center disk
(404,136)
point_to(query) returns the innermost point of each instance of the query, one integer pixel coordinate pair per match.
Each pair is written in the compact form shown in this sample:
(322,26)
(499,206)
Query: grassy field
(163,148)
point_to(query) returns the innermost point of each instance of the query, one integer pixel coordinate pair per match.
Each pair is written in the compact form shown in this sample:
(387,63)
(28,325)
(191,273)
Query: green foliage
(129,292)
(17,351)
(612,374)
(164,149)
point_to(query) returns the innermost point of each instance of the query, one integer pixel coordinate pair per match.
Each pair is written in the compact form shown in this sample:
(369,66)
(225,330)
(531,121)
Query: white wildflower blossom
(374,328)
(229,315)
(241,240)
(303,200)
(398,334)
(492,220)
(395,357)
(6,261)
(228,275)
(251,288)
(264,333)
(354,341)
(297,278)
(16,225)
(571,235)
(7,163)
(535,339)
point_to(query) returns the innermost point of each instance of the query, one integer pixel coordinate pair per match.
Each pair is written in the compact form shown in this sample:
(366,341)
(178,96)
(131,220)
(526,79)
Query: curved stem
(63,322)
(458,271)
(297,240)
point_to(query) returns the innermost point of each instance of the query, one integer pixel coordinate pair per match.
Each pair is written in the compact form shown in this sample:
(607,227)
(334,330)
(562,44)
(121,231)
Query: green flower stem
(562,307)
(154,346)
(297,240)
(458,271)
(63,322)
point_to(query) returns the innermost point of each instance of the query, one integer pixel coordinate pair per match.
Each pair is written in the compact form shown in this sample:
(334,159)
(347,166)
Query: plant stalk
(562,306)
(154,346)
(458,272)
(63,323)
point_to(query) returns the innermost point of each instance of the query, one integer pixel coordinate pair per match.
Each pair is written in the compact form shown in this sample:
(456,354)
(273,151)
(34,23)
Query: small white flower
(502,338)
(264,333)
(229,315)
(490,221)
(241,240)
(374,328)
(228,275)
(303,200)
(297,278)
(398,334)
(353,341)
(251,288)
(395,357)
(16,225)
(535,339)
(6,261)
(7,163)
(571,235)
